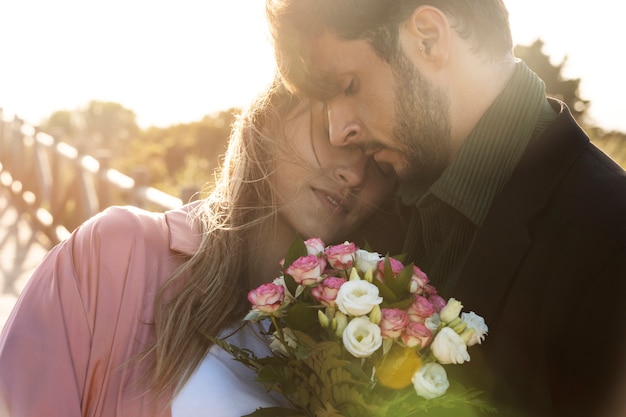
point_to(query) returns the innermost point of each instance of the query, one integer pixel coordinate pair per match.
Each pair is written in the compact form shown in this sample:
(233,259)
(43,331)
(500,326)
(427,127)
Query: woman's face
(322,190)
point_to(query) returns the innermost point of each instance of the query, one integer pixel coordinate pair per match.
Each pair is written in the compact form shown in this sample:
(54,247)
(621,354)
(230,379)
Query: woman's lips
(335,202)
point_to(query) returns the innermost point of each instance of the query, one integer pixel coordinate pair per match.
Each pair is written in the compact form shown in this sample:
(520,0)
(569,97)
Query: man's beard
(421,126)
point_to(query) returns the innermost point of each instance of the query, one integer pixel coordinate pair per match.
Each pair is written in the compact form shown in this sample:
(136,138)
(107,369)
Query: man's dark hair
(294,23)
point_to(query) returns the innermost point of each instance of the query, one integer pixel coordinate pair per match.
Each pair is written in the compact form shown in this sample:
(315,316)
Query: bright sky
(174,62)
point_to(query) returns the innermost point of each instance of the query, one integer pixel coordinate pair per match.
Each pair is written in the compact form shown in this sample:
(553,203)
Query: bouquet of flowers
(357,334)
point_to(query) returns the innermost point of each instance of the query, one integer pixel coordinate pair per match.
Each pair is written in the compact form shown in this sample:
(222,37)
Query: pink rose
(437,301)
(421,309)
(429,290)
(326,292)
(396,267)
(416,334)
(341,257)
(314,246)
(418,280)
(267,298)
(393,322)
(307,270)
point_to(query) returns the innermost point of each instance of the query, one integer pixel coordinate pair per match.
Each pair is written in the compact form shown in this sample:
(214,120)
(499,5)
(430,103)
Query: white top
(222,386)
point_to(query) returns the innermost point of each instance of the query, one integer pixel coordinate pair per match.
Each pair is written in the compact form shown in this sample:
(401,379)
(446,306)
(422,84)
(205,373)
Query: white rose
(367,261)
(449,347)
(357,298)
(451,311)
(361,337)
(430,381)
(476,323)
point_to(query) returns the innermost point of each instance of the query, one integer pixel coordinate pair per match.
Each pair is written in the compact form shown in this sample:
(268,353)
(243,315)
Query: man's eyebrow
(324,86)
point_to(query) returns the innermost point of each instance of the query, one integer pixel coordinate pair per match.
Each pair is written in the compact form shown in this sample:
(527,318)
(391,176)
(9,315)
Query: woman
(117,319)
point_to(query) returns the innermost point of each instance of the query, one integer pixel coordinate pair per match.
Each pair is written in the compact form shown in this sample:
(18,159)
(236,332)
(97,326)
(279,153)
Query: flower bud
(369,275)
(458,326)
(339,323)
(323,319)
(468,335)
(451,311)
(354,275)
(376,315)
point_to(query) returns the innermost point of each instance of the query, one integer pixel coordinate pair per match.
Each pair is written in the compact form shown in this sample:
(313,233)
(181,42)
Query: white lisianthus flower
(357,298)
(449,347)
(277,346)
(430,381)
(433,322)
(367,261)
(361,337)
(451,311)
(477,323)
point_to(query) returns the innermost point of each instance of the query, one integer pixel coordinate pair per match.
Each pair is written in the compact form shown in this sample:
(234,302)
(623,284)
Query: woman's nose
(350,168)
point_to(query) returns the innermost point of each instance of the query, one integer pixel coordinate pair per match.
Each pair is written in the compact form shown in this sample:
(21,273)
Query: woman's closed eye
(350,89)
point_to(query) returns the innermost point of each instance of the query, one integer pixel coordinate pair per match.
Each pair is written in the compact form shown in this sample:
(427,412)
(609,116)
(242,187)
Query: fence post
(103,186)
(141,176)
(17,145)
(189,194)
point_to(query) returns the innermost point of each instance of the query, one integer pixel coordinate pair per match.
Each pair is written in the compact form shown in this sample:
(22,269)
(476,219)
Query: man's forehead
(329,62)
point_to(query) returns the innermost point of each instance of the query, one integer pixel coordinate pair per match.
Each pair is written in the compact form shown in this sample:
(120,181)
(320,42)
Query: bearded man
(514,211)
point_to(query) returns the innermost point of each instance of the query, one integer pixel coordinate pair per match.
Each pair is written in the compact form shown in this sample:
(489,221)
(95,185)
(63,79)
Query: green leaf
(301,316)
(274,375)
(296,250)
(403,281)
(291,283)
(253,315)
(245,356)
(398,284)
(388,295)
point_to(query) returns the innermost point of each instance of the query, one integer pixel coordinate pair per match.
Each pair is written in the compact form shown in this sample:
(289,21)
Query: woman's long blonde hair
(209,291)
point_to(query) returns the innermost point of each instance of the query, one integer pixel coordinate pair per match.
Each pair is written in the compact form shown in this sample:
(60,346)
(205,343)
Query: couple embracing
(409,123)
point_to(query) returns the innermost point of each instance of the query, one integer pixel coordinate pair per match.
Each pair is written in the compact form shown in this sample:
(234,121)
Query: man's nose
(350,170)
(343,128)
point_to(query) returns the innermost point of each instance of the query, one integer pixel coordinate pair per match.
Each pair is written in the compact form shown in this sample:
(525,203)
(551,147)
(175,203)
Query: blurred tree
(556,85)
(108,124)
(97,125)
(62,125)
(182,155)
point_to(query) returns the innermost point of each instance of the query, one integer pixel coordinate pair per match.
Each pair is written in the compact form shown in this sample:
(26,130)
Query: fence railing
(60,187)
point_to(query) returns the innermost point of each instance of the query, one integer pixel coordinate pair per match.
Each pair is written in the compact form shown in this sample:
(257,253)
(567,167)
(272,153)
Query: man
(515,212)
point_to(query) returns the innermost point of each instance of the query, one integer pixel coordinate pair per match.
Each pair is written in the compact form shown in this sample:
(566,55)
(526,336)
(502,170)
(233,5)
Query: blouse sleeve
(45,343)
(81,316)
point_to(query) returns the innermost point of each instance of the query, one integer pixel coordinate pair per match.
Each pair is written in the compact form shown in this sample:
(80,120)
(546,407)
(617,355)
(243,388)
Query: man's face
(391,111)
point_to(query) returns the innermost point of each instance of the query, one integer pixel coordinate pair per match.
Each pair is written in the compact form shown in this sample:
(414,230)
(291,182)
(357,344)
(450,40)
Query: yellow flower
(398,367)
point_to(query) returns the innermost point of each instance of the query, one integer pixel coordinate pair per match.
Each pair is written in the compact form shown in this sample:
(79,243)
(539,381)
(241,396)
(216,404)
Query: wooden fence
(60,187)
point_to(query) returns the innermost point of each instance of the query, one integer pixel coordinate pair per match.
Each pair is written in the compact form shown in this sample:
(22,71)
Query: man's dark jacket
(547,270)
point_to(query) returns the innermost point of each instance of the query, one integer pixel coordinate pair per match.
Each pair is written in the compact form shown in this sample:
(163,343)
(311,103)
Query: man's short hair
(295,23)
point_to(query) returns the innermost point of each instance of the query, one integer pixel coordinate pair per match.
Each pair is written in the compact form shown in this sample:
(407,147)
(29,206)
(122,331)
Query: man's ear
(429,33)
